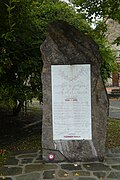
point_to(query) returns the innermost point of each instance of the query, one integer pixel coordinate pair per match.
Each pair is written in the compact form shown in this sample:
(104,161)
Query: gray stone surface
(96,167)
(112,160)
(33,176)
(81,173)
(25,161)
(70,167)
(48,174)
(64,179)
(8,171)
(86,178)
(114,175)
(11,161)
(100,174)
(60,171)
(117,167)
(39,167)
(65,45)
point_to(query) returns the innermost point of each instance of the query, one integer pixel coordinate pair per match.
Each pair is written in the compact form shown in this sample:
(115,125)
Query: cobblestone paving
(29,166)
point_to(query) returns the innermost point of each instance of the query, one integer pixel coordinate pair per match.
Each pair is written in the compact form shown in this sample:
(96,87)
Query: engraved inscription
(71,102)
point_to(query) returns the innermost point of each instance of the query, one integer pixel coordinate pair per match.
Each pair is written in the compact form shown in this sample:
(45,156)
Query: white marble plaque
(71,102)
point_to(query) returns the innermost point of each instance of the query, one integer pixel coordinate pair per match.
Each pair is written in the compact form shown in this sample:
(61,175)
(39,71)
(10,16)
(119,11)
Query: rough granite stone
(66,45)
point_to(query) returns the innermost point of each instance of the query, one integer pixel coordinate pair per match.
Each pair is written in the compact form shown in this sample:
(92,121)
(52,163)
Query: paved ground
(29,166)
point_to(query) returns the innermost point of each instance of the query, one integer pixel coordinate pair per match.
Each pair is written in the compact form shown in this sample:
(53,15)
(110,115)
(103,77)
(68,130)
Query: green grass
(113,133)
(30,143)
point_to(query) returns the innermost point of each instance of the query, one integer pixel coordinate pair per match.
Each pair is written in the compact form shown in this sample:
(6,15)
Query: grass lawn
(113,133)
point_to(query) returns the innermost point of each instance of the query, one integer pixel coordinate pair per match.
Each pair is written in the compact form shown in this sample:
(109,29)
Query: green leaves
(22,31)
(20,56)
(109,64)
(101,8)
(9,8)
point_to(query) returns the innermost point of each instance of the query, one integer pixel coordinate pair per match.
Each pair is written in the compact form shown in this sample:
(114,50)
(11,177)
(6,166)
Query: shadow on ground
(14,130)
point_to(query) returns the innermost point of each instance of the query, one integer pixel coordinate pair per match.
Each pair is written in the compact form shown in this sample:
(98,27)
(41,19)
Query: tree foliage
(20,63)
(23,25)
(109,63)
(100,8)
(23,29)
